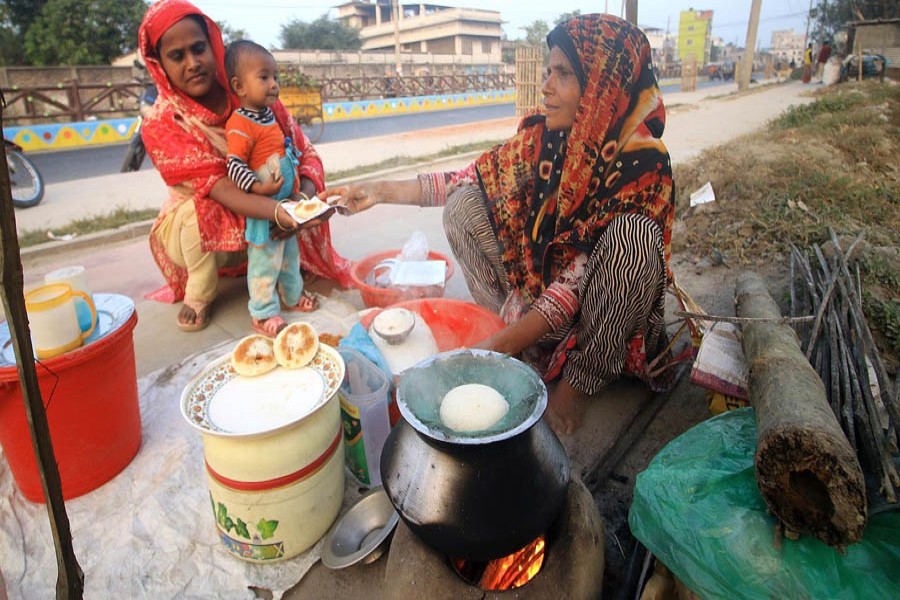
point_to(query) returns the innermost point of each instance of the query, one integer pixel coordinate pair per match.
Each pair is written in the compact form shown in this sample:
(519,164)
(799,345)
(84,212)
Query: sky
(262,19)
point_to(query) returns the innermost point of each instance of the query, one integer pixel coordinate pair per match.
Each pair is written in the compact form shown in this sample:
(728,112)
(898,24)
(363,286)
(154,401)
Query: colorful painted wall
(89,133)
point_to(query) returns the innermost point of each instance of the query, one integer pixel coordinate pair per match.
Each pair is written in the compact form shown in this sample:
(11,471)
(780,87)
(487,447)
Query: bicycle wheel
(26,183)
(313,128)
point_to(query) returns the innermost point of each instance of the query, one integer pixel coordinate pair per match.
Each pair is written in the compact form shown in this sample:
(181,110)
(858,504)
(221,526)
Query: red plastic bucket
(374,297)
(93,415)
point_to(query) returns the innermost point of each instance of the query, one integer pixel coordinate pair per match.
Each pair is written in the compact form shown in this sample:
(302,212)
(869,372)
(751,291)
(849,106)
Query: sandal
(312,303)
(201,312)
(269,327)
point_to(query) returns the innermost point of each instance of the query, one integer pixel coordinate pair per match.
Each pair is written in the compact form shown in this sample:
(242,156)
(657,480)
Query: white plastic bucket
(275,523)
(274,493)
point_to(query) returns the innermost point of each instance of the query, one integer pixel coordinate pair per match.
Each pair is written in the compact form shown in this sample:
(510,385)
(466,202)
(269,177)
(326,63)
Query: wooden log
(806,470)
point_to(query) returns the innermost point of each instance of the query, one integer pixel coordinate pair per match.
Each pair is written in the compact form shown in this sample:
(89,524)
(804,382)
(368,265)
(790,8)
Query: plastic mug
(52,318)
(76,277)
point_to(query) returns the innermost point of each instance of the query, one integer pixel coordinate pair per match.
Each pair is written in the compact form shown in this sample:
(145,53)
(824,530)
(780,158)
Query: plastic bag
(415,248)
(359,340)
(698,509)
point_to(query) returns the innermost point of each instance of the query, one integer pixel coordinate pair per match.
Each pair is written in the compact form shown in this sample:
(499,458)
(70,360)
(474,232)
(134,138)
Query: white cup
(52,319)
(76,278)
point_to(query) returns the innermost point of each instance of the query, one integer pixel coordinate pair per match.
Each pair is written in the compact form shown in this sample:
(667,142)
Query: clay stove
(572,566)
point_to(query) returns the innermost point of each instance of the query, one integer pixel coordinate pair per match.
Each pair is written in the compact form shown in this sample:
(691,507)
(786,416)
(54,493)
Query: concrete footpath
(120,261)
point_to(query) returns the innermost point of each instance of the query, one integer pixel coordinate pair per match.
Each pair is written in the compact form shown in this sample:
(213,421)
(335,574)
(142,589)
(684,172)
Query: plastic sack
(415,248)
(698,509)
(359,340)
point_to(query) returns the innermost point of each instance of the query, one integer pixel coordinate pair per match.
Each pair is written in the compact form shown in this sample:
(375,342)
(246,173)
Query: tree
(83,32)
(567,17)
(229,34)
(10,48)
(16,17)
(536,33)
(321,34)
(830,16)
(22,13)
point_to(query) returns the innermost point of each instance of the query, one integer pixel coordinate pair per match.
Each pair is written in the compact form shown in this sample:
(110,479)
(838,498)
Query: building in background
(787,46)
(695,35)
(663,50)
(425,28)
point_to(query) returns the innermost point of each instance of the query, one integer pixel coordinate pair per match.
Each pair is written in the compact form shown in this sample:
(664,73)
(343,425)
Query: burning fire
(507,573)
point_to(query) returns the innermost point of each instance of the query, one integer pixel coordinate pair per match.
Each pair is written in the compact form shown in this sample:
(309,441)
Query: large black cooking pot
(474,496)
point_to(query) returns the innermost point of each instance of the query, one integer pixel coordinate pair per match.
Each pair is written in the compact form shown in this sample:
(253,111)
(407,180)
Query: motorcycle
(25,181)
(135,153)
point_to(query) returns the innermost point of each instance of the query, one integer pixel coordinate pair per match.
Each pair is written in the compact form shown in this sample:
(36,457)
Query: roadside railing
(70,101)
(73,101)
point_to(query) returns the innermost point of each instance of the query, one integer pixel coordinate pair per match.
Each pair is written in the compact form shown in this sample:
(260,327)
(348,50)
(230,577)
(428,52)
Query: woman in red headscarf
(200,227)
(565,229)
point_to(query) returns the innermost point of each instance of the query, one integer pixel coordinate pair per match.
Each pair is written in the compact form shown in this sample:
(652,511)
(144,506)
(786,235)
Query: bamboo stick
(887,390)
(826,297)
(70,578)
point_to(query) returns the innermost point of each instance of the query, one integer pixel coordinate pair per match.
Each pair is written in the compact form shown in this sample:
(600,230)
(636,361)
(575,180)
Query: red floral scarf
(611,163)
(186,143)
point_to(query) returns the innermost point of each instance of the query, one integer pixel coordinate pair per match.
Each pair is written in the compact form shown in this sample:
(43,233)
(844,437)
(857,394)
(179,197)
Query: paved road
(69,165)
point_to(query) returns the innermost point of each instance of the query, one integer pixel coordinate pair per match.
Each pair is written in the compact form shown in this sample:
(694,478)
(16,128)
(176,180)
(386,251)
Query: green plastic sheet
(698,509)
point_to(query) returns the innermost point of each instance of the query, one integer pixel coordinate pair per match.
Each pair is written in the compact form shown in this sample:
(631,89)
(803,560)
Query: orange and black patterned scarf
(611,163)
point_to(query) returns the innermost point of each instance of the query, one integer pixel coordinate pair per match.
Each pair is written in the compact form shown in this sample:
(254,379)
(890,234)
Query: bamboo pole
(70,578)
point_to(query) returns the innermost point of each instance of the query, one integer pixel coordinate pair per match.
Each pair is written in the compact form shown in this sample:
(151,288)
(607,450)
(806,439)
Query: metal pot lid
(113,311)
(423,386)
(360,535)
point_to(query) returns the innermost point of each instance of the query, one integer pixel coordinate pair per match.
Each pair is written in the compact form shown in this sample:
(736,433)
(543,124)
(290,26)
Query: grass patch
(829,164)
(121,216)
(112,220)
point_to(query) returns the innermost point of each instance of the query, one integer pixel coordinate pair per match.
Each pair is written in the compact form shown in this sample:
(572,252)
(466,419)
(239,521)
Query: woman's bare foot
(565,409)
(193,318)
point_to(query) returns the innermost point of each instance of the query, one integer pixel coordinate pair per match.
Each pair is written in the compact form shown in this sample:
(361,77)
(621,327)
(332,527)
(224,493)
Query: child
(261,160)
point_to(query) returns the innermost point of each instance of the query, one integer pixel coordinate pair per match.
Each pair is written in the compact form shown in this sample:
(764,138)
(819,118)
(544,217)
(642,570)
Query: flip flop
(297,308)
(201,317)
(269,327)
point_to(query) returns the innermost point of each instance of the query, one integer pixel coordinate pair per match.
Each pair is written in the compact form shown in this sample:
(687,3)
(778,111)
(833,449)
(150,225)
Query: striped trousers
(622,293)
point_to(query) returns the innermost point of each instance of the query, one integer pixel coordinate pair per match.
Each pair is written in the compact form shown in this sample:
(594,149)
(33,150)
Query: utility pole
(631,7)
(749,46)
(395,17)
(808,21)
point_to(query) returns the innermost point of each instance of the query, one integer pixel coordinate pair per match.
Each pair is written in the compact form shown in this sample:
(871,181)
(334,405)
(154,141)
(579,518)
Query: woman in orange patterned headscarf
(201,225)
(565,229)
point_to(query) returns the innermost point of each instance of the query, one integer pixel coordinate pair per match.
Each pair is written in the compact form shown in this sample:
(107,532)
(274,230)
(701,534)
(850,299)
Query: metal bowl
(406,323)
(361,535)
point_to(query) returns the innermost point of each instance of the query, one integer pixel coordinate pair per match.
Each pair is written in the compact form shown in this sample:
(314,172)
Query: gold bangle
(277,222)
(303,195)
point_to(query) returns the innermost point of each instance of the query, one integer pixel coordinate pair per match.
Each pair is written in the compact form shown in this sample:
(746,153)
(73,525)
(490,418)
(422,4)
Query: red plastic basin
(382,297)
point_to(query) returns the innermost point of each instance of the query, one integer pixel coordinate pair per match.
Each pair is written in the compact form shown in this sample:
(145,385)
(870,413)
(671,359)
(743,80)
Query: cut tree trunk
(806,469)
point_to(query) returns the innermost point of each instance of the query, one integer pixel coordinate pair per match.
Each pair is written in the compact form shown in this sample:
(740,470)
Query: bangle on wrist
(277,222)
(302,195)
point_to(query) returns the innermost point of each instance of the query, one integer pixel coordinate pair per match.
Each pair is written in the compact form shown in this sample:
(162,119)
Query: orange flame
(515,570)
